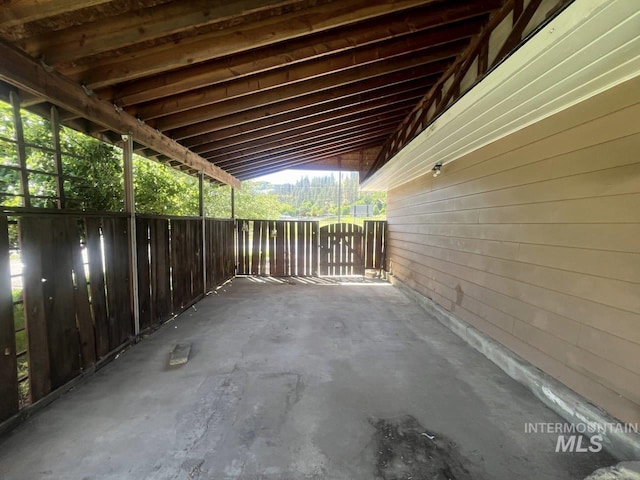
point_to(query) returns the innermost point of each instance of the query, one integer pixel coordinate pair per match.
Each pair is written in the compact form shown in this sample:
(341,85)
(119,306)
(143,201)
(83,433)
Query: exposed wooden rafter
(25,73)
(250,86)
(302,49)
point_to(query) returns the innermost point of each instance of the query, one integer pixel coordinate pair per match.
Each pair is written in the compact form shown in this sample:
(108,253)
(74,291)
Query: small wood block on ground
(180,354)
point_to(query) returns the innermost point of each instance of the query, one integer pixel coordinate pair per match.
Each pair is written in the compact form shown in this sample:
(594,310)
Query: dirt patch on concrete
(405,450)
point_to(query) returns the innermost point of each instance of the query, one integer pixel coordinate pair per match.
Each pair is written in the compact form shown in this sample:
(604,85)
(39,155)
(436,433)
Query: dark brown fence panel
(145,314)
(277,248)
(8,364)
(186,262)
(82,304)
(116,259)
(97,286)
(72,320)
(220,251)
(160,270)
(375,232)
(49,301)
(243,247)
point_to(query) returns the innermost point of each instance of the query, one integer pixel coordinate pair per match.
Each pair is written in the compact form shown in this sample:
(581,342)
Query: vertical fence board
(97,286)
(177,245)
(8,363)
(369,237)
(64,348)
(378,244)
(242,248)
(262,245)
(255,246)
(292,248)
(36,323)
(82,306)
(160,273)
(279,248)
(116,254)
(271,241)
(145,313)
(300,253)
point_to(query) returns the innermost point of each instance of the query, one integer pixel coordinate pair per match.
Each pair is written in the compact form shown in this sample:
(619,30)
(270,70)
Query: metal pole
(130,208)
(204,231)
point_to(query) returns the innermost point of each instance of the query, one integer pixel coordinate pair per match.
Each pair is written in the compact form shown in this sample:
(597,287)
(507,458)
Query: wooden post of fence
(55,131)
(130,208)
(204,230)
(233,203)
(20,147)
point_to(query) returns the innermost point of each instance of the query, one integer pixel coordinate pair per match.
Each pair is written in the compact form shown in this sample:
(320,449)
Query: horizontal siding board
(618,322)
(614,133)
(614,293)
(612,209)
(607,236)
(624,179)
(597,263)
(562,327)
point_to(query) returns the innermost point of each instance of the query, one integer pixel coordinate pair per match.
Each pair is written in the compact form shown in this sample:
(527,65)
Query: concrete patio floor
(295,381)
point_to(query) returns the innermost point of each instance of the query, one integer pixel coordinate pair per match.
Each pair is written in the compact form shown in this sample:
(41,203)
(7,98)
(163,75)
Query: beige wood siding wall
(535,240)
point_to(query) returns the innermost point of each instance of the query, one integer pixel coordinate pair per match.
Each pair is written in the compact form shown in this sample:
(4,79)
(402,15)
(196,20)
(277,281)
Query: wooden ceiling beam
(432,45)
(140,26)
(355,127)
(236,135)
(25,73)
(324,141)
(354,161)
(101,72)
(306,48)
(282,163)
(438,61)
(319,142)
(307,162)
(16,12)
(302,108)
(280,134)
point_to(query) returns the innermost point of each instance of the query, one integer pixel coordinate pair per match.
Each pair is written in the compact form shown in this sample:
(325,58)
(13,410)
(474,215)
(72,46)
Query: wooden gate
(341,249)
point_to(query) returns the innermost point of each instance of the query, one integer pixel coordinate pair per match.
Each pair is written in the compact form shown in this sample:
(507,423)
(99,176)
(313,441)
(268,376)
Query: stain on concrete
(407,450)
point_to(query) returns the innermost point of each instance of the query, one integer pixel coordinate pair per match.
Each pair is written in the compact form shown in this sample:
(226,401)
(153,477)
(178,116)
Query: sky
(292,176)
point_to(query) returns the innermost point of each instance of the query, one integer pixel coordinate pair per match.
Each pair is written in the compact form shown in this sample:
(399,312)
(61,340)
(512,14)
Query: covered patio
(505,135)
(296,379)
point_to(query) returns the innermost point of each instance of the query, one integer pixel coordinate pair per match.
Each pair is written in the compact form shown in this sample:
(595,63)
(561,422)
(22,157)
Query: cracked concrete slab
(293,381)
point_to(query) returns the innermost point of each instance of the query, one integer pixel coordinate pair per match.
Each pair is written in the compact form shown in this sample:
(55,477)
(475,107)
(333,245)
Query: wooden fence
(72,305)
(301,248)
(277,248)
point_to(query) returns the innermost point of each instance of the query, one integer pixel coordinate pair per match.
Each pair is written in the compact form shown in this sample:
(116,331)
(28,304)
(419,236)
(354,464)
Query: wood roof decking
(251,86)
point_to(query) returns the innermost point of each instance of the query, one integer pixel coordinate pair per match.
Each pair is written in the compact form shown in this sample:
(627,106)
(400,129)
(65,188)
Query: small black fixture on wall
(436,169)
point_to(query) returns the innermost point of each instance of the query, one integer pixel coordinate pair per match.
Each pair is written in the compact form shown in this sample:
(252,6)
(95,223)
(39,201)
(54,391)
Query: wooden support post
(130,208)
(22,153)
(204,230)
(233,203)
(55,131)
